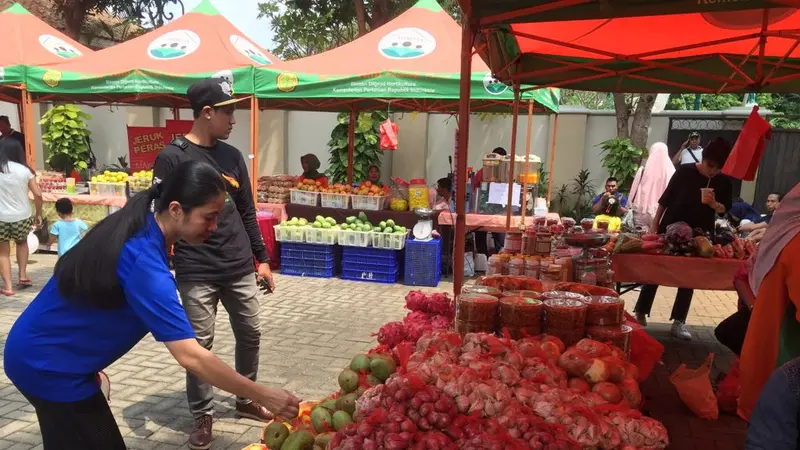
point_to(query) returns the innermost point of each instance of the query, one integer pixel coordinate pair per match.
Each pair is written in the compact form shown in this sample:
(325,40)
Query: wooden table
(488,222)
(712,274)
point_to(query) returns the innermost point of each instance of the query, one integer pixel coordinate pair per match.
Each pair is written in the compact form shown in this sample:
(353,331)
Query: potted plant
(66,138)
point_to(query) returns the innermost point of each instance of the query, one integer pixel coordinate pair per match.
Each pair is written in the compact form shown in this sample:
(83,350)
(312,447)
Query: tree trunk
(361,16)
(381,13)
(640,128)
(74,14)
(623,112)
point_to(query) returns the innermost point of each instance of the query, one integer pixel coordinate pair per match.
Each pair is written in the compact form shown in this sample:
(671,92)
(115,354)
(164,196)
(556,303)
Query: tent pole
(552,161)
(514,121)
(463,146)
(176,114)
(351,144)
(27,127)
(254,147)
(524,192)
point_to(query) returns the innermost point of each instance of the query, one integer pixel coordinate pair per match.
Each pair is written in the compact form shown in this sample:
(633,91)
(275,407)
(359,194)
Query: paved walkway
(311,329)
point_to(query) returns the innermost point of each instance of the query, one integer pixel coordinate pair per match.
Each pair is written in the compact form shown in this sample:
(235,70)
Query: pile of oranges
(309,186)
(367,188)
(338,189)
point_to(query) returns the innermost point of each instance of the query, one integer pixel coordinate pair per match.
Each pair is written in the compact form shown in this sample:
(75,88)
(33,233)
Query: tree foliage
(146,13)
(308,27)
(367,148)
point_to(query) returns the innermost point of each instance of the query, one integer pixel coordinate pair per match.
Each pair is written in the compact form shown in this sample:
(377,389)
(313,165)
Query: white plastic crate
(352,238)
(389,241)
(341,201)
(322,236)
(108,189)
(290,234)
(304,198)
(367,203)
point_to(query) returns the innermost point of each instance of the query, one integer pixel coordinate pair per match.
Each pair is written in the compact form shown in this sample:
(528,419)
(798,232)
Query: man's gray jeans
(200,301)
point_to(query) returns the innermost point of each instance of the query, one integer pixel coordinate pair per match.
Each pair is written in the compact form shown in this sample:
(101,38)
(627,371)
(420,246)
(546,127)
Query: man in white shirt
(690,152)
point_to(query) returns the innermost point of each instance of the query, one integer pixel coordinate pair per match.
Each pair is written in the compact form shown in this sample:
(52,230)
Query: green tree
(143,12)
(367,148)
(308,27)
(587,99)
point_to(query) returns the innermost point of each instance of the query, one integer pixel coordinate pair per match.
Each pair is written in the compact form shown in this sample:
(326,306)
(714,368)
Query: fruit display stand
(403,218)
(489,222)
(713,274)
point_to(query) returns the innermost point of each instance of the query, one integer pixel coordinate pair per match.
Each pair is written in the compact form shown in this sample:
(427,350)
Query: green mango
(359,363)
(382,366)
(346,403)
(390,223)
(299,440)
(323,439)
(348,380)
(329,404)
(275,434)
(382,224)
(350,220)
(340,420)
(363,217)
(388,230)
(321,419)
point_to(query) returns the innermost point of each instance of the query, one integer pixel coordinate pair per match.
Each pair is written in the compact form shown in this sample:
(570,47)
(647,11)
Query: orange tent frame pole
(254,147)
(514,122)
(467,36)
(552,160)
(27,125)
(351,144)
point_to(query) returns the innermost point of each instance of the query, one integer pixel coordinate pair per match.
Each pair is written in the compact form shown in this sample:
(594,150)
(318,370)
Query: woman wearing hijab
(311,166)
(651,181)
(773,334)
(374,177)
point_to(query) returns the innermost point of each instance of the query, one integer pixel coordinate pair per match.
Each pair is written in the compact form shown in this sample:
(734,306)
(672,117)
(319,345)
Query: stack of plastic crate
(309,260)
(423,263)
(371,264)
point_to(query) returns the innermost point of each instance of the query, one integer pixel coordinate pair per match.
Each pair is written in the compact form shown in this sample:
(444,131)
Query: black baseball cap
(694,134)
(213,92)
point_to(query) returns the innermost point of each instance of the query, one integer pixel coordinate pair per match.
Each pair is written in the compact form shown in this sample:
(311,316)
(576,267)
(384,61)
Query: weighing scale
(423,229)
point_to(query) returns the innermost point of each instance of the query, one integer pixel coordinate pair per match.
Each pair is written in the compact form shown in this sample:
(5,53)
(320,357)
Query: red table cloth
(711,274)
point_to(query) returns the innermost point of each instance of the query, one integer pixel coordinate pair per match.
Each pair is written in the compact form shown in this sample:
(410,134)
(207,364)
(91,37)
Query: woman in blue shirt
(108,292)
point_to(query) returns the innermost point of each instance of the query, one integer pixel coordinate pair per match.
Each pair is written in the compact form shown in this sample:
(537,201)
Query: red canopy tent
(727,47)
(27,40)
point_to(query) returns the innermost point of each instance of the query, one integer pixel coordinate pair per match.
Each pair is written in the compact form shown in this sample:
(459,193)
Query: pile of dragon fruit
(480,391)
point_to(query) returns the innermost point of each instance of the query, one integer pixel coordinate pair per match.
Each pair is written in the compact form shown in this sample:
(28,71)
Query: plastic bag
(729,390)
(694,389)
(748,149)
(388,135)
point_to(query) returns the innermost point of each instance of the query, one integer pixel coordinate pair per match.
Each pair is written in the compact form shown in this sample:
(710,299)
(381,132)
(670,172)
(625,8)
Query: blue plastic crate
(309,263)
(307,272)
(423,265)
(312,252)
(375,256)
(370,276)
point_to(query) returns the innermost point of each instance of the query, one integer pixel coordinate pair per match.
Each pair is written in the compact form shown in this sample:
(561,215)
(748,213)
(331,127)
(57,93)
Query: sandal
(7,293)
(24,283)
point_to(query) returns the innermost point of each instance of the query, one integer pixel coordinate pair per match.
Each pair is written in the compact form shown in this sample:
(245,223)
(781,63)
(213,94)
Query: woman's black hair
(717,152)
(87,273)
(10,151)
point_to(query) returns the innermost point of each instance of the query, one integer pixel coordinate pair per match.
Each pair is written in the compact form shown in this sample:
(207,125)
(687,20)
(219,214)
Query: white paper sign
(498,194)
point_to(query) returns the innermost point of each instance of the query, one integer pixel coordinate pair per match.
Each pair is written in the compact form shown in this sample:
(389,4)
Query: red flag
(749,148)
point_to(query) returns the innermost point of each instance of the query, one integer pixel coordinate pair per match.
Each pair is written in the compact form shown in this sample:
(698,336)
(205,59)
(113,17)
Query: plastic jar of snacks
(587,224)
(532,268)
(478,289)
(521,313)
(564,294)
(513,243)
(523,293)
(618,335)
(568,222)
(565,319)
(604,310)
(552,272)
(476,312)
(516,266)
(602,225)
(418,194)
(496,265)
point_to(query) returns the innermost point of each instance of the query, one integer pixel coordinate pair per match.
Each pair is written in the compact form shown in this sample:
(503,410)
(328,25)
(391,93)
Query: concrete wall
(425,140)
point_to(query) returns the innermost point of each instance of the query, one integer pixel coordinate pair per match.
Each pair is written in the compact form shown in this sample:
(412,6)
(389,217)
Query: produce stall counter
(488,222)
(402,218)
(713,274)
(278,210)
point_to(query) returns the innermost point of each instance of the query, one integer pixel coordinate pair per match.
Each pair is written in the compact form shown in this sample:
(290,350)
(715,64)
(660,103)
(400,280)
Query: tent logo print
(58,46)
(173,45)
(249,50)
(2,74)
(493,85)
(407,43)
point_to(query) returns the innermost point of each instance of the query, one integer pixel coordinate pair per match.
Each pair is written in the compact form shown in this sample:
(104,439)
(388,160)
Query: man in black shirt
(696,194)
(221,269)
(6,132)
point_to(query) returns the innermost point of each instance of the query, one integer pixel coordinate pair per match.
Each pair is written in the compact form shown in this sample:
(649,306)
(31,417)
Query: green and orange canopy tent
(158,67)
(29,41)
(411,63)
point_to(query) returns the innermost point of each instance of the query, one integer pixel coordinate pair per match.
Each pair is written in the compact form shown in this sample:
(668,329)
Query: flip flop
(7,293)
(24,284)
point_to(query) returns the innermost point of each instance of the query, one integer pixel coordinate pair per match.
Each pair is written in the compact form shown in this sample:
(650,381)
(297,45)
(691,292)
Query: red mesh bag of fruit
(645,350)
